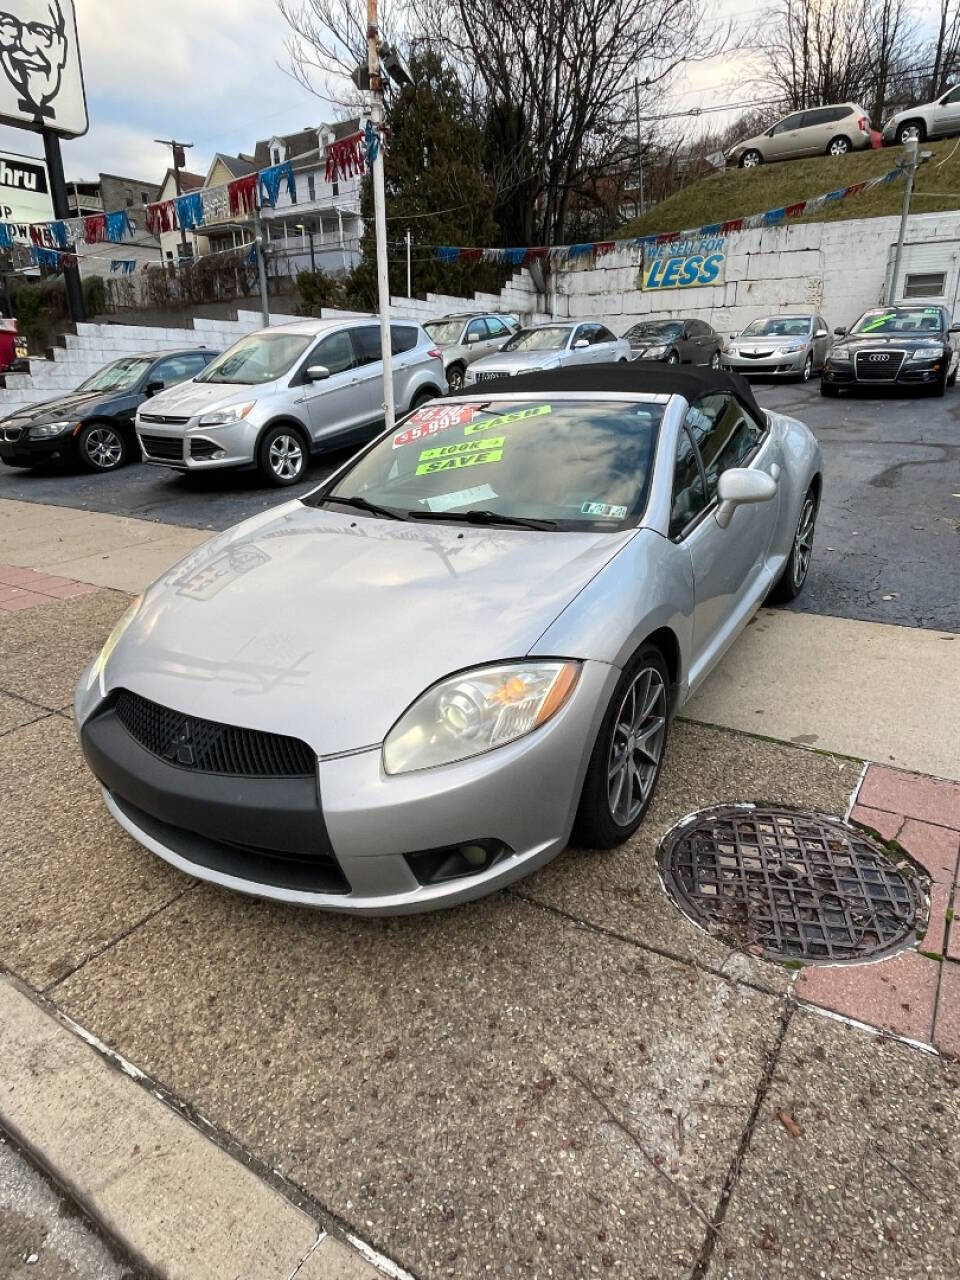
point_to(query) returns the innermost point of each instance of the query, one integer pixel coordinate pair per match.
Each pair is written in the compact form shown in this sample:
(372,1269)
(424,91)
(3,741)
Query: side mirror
(735,334)
(473,337)
(153,386)
(740,485)
(822,333)
(580,344)
(317,373)
(840,332)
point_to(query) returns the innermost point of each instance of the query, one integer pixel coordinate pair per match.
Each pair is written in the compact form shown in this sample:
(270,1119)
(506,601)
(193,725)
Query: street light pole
(261,264)
(911,148)
(409,275)
(379,212)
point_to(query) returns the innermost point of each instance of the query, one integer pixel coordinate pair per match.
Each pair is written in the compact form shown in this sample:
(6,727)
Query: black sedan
(675,342)
(94,425)
(902,346)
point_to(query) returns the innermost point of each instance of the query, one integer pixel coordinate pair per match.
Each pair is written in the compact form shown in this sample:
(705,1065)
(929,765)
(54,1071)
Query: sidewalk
(565,1079)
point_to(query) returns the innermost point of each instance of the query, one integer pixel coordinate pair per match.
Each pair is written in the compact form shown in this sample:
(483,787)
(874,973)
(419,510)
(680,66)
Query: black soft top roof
(638,377)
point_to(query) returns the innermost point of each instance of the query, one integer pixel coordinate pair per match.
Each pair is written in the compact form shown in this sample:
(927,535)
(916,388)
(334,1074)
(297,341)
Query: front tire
(750,159)
(838,146)
(911,130)
(628,755)
(790,583)
(282,456)
(807,373)
(455,377)
(673,358)
(101,447)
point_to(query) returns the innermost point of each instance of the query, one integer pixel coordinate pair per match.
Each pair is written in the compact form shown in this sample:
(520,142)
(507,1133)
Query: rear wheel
(101,447)
(838,146)
(750,159)
(790,583)
(911,131)
(627,757)
(673,358)
(455,375)
(422,397)
(282,456)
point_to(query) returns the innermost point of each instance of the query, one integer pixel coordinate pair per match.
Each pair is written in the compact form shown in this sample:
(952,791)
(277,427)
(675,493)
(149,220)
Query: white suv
(280,394)
(934,119)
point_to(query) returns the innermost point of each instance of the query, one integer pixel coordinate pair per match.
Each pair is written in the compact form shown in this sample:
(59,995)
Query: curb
(176,1203)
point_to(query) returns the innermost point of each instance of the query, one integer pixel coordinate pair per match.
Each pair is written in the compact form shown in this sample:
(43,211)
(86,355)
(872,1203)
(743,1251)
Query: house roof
(236,166)
(303,142)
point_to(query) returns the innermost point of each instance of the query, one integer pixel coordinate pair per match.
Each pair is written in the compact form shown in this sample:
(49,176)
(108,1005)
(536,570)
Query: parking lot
(567,1079)
(887,548)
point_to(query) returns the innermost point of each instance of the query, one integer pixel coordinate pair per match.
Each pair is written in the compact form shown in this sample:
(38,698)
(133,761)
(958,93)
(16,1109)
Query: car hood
(326,626)
(514,361)
(899,342)
(768,343)
(76,403)
(189,398)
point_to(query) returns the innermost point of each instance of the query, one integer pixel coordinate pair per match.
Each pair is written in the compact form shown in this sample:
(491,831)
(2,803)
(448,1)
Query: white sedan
(552,346)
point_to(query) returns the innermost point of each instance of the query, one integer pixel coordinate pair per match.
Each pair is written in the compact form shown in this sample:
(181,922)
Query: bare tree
(818,53)
(891,35)
(328,40)
(944,50)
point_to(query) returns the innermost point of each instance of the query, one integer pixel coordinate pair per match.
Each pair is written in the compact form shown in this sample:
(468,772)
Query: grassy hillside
(738,192)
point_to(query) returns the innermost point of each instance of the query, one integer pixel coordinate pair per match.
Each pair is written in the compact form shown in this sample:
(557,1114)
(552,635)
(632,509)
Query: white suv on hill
(280,394)
(935,119)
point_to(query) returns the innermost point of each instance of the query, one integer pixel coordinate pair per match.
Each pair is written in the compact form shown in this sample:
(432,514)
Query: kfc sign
(42,83)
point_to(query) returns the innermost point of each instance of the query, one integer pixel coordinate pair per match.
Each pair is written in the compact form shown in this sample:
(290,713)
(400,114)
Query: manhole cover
(788,885)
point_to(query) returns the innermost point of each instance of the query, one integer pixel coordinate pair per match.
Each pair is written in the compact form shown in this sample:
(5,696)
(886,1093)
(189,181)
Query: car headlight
(221,417)
(839,353)
(790,348)
(654,352)
(471,713)
(48,429)
(113,639)
(926,353)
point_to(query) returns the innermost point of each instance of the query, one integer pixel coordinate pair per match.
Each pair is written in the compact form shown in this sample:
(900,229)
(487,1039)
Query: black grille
(200,448)
(210,747)
(12,434)
(166,447)
(878,366)
(168,418)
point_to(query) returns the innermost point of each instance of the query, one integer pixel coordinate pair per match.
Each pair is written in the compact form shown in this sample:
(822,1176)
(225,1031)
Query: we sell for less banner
(684,264)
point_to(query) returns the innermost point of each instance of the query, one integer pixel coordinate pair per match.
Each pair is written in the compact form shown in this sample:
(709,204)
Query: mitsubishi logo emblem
(180,748)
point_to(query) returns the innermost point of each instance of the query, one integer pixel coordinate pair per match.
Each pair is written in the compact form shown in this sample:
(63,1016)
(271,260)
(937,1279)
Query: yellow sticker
(503,420)
(458,460)
(467,446)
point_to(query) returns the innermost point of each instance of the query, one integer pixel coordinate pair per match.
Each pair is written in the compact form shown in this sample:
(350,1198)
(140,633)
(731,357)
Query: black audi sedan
(94,425)
(902,346)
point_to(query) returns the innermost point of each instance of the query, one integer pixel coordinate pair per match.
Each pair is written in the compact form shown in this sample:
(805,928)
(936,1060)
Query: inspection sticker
(603,509)
(504,419)
(465,446)
(459,460)
(428,421)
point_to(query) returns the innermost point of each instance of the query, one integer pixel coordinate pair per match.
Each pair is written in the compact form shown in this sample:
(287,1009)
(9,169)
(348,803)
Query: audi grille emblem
(180,748)
(880,356)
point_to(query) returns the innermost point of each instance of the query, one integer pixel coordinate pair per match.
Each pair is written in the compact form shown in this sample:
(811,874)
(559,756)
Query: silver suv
(466,337)
(280,394)
(818,131)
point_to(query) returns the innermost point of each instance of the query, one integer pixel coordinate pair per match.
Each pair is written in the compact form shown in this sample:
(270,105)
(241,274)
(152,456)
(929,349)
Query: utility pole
(409,276)
(261,265)
(379,210)
(61,209)
(910,168)
(179,150)
(636,112)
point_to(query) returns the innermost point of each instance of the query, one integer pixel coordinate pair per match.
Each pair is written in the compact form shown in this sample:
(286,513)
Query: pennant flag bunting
(123,266)
(161,217)
(345,157)
(271,180)
(119,224)
(242,194)
(215,204)
(189,210)
(371,144)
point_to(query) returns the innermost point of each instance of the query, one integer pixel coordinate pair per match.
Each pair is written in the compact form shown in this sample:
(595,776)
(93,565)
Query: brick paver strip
(885,824)
(912,794)
(953,936)
(946,1036)
(898,994)
(938,848)
(937,928)
(25,588)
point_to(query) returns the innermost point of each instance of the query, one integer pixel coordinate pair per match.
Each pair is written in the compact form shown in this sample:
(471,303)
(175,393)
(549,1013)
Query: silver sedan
(551,346)
(793,346)
(411,688)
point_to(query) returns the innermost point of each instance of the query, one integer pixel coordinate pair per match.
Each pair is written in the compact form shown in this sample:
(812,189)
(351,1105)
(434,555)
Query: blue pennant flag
(58,232)
(271,181)
(580,250)
(6,236)
(189,210)
(45,257)
(447,253)
(119,224)
(773,216)
(514,256)
(371,145)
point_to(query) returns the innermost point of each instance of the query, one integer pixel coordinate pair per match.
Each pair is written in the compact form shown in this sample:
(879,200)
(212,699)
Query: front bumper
(911,374)
(348,840)
(18,450)
(777,364)
(186,447)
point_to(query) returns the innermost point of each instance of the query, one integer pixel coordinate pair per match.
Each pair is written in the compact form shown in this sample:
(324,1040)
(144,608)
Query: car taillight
(863,124)
(436,353)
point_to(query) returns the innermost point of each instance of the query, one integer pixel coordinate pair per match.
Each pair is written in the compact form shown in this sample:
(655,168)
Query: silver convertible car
(411,687)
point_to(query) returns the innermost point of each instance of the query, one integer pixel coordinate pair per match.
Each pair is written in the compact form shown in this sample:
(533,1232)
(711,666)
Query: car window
(602,334)
(823,115)
(951,98)
(179,368)
(403,337)
(580,334)
(118,376)
(724,433)
(689,495)
(897,320)
(697,329)
(496,328)
(336,353)
(257,358)
(446,333)
(366,345)
(478,328)
(548,337)
(790,122)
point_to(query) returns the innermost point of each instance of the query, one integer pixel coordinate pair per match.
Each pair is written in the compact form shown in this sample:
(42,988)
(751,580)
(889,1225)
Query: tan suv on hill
(818,131)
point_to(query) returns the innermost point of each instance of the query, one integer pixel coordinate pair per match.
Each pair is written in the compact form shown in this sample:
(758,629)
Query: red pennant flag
(471,255)
(735,224)
(605,246)
(795,210)
(242,194)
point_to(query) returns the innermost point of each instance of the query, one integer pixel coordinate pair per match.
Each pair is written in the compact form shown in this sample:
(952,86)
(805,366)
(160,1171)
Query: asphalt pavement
(887,546)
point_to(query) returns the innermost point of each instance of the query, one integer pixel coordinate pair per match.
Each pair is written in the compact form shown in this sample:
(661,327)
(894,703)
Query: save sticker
(466,446)
(603,509)
(504,419)
(428,421)
(459,460)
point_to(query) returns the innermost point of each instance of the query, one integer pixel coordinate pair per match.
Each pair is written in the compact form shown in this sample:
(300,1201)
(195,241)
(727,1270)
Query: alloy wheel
(455,379)
(673,358)
(910,133)
(286,457)
(715,360)
(638,737)
(808,368)
(104,448)
(840,147)
(803,542)
(750,160)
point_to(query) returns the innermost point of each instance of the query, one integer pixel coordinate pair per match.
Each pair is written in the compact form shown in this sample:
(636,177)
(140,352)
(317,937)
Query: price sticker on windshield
(429,421)
(453,462)
(466,446)
(504,419)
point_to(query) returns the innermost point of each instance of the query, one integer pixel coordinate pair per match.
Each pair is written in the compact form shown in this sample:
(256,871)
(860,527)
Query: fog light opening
(437,866)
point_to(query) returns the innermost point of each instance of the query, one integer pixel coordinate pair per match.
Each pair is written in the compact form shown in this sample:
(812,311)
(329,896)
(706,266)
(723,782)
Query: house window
(336,188)
(129,202)
(144,197)
(276,155)
(311,187)
(929,284)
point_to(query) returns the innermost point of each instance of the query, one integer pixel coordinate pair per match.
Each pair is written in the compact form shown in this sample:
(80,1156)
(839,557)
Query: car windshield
(900,320)
(118,376)
(577,464)
(656,329)
(778,326)
(261,357)
(548,338)
(445,332)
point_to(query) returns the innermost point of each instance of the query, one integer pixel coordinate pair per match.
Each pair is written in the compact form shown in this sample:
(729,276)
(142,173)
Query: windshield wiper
(362,504)
(483,517)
